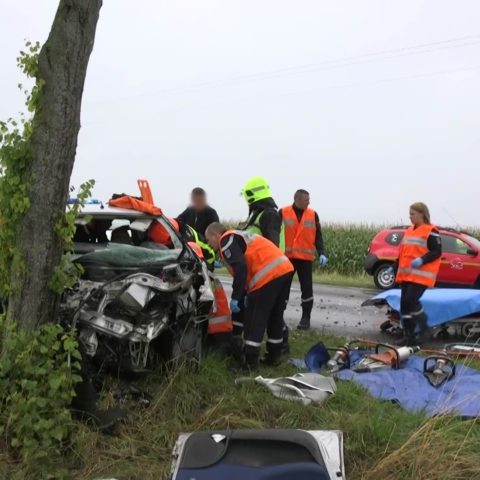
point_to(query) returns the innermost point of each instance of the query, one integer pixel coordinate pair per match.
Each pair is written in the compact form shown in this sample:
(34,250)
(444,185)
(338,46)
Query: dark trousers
(413,315)
(264,311)
(238,319)
(304,270)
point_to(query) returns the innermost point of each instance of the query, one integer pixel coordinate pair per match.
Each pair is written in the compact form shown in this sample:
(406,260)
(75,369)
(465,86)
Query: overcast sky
(368,104)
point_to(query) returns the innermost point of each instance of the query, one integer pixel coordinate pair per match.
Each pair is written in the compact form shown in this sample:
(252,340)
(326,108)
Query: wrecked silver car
(137,304)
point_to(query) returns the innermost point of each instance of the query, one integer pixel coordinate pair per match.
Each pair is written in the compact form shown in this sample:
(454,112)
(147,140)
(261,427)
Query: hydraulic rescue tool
(385,357)
(438,369)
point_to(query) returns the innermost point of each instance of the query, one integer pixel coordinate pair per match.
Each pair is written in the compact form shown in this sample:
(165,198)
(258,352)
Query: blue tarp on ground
(412,391)
(441,305)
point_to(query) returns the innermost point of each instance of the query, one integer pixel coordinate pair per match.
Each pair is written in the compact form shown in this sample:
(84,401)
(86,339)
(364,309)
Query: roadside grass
(382,441)
(360,280)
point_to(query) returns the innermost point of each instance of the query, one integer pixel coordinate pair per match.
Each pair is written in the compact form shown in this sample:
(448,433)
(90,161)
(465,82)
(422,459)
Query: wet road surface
(336,311)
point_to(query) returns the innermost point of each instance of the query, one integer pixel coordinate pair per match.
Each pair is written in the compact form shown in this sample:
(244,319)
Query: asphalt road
(336,311)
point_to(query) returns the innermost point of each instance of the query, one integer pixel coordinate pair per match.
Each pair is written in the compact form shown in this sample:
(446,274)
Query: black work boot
(424,334)
(272,359)
(306,314)
(408,339)
(304,323)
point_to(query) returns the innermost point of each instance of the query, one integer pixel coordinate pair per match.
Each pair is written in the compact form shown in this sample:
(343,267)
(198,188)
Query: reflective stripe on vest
(265,270)
(416,271)
(265,261)
(300,236)
(414,241)
(415,245)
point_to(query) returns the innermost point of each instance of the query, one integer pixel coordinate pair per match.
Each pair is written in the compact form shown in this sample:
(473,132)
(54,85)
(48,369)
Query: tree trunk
(63,64)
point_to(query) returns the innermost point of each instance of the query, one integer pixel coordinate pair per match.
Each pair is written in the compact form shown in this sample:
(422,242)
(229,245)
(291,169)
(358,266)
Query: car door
(456,266)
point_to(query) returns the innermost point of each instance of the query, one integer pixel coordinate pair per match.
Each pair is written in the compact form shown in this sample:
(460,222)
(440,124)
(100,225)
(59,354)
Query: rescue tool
(385,357)
(438,369)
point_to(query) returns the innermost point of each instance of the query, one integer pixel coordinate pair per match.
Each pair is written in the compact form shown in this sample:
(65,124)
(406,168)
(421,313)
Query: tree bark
(63,62)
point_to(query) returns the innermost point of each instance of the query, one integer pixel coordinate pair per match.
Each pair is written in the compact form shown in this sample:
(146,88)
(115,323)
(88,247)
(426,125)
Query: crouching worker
(417,269)
(262,270)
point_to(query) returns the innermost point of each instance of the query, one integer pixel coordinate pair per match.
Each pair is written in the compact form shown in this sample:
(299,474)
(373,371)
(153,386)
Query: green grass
(381,440)
(331,278)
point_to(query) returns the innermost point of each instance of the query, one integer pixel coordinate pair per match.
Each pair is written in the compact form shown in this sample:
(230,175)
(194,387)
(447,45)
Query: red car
(460,258)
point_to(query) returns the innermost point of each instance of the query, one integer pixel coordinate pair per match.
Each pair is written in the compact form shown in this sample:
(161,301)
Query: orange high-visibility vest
(159,234)
(132,203)
(265,261)
(220,320)
(197,249)
(299,236)
(414,245)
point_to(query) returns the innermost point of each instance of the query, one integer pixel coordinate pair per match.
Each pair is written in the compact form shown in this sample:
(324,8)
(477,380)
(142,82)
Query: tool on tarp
(438,369)
(469,350)
(385,357)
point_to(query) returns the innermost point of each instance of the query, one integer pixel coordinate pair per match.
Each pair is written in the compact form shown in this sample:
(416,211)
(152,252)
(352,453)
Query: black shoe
(304,324)
(405,342)
(285,348)
(271,360)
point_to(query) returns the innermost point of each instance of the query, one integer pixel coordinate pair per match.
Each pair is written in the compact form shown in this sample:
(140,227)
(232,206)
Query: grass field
(381,441)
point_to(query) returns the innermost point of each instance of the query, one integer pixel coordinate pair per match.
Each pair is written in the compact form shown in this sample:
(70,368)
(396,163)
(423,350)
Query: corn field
(346,245)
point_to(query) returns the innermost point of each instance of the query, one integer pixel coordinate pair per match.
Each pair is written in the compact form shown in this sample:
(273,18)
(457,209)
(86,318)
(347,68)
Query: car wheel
(467,330)
(383,278)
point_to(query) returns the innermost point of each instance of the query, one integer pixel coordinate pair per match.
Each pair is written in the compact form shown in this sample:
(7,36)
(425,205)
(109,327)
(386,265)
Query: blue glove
(218,264)
(390,271)
(322,260)
(234,307)
(418,262)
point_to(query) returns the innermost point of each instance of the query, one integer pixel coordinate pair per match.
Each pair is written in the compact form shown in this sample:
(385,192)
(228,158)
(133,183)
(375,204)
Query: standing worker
(303,238)
(262,270)
(417,268)
(199,215)
(263,219)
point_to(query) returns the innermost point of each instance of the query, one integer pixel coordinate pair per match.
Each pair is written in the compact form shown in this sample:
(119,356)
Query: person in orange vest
(303,240)
(262,270)
(416,270)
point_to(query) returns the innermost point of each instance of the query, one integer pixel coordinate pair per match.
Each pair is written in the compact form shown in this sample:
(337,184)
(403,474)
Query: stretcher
(449,311)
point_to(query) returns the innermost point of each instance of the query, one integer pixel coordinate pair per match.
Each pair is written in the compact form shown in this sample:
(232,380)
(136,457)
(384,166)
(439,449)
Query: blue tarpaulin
(441,305)
(412,391)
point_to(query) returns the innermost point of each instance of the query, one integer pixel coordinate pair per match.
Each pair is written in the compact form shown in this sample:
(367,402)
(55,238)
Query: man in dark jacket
(199,215)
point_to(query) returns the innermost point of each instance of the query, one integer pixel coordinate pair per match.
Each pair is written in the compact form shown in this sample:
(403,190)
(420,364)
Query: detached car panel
(460,263)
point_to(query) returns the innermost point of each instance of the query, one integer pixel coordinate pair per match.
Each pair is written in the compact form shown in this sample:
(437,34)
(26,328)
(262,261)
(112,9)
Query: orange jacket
(299,236)
(414,245)
(265,261)
(132,203)
(220,320)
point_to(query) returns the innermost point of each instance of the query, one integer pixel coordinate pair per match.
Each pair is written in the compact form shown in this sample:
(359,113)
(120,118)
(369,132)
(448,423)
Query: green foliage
(37,382)
(14,161)
(67,273)
(40,370)
(347,246)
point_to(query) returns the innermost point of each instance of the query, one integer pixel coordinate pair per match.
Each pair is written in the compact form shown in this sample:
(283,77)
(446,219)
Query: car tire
(383,280)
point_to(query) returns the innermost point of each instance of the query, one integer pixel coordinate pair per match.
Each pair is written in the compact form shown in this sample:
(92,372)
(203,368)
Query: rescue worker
(262,270)
(416,270)
(263,219)
(199,215)
(303,239)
